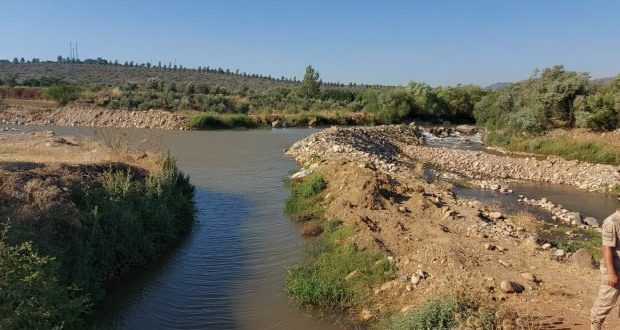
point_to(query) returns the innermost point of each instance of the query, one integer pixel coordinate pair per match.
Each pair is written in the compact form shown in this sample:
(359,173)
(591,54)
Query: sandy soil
(45,147)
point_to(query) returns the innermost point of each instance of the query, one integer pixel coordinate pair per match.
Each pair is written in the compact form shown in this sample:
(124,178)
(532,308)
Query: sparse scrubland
(73,224)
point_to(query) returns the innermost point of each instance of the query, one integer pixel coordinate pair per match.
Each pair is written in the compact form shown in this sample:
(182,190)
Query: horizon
(438,44)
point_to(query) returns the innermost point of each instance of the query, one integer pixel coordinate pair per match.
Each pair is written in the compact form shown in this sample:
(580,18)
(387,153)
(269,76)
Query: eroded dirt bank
(441,245)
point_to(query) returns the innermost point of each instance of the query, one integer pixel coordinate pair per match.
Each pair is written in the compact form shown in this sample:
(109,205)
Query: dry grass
(47,148)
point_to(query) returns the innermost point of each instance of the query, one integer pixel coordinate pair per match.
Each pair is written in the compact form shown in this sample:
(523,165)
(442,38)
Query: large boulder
(575,218)
(592,221)
(582,258)
(466,129)
(276,124)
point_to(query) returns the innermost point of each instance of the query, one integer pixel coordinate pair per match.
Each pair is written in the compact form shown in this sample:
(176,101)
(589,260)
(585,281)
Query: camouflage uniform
(607,295)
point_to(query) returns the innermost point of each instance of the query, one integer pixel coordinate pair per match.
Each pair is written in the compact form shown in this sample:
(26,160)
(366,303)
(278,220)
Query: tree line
(162,65)
(551,98)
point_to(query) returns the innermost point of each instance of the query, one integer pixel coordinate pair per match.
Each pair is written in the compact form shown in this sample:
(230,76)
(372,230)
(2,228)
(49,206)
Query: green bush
(63,93)
(120,220)
(128,221)
(311,185)
(217,121)
(31,295)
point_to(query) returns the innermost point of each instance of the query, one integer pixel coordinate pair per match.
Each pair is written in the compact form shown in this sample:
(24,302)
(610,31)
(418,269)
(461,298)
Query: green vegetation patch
(305,204)
(321,280)
(222,121)
(53,266)
(566,147)
(571,239)
(449,312)
(31,295)
(62,93)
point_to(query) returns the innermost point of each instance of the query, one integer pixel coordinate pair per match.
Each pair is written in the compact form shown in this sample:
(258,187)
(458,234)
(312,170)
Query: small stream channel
(229,272)
(589,204)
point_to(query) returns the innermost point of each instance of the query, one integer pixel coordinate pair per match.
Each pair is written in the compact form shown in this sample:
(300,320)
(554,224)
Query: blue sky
(390,42)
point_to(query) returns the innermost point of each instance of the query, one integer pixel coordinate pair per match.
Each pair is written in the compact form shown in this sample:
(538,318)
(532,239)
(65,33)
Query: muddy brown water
(230,270)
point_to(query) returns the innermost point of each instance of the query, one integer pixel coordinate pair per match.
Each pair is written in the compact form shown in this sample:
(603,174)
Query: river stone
(592,221)
(510,287)
(575,218)
(582,258)
(301,174)
(276,124)
(529,276)
(466,129)
(496,215)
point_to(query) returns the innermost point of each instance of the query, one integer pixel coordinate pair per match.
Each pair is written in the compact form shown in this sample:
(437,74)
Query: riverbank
(449,256)
(579,144)
(23,113)
(76,215)
(92,117)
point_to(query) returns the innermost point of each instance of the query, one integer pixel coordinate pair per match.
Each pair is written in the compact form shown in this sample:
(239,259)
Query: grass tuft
(304,203)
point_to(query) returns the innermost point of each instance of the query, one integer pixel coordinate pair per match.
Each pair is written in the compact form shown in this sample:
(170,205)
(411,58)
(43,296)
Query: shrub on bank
(31,295)
(54,267)
(217,121)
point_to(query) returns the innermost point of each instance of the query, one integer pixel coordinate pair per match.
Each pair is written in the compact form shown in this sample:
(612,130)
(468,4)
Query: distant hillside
(118,74)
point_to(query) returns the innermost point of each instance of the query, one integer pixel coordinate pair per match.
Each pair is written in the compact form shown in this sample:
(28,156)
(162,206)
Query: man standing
(610,269)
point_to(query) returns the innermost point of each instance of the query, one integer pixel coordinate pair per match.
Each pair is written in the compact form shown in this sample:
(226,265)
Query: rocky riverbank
(390,146)
(93,117)
(441,245)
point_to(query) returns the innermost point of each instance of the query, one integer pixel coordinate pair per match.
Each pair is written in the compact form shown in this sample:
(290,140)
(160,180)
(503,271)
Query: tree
(63,93)
(311,85)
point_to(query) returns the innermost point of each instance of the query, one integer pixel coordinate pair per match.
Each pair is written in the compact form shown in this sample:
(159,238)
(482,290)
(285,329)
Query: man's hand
(612,279)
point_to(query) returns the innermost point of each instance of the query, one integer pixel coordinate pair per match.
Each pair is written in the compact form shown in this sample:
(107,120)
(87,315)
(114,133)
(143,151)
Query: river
(229,272)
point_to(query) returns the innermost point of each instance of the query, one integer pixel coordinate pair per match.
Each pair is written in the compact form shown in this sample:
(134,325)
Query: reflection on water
(192,287)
